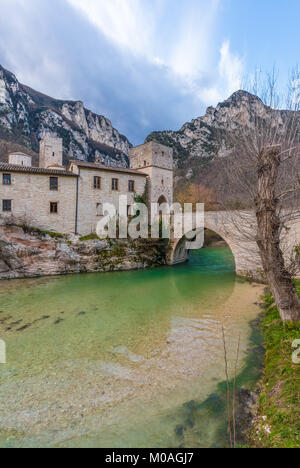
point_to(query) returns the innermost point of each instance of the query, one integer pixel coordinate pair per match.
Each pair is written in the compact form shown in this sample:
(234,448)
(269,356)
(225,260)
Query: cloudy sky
(146,64)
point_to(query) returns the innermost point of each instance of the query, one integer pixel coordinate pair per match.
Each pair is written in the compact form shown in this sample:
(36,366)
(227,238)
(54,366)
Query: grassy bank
(278,422)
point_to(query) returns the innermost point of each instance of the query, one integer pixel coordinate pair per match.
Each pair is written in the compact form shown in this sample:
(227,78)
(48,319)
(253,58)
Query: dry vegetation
(7,147)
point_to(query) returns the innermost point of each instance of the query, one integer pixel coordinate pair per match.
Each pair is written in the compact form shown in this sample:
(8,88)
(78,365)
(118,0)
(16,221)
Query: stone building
(156,161)
(70,199)
(51,153)
(20,159)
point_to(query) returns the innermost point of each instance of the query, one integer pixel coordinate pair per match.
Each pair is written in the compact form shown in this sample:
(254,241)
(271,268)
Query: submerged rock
(24,327)
(179,430)
(59,320)
(128,354)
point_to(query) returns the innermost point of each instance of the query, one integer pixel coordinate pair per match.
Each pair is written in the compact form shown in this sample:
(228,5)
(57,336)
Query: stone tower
(156,160)
(51,153)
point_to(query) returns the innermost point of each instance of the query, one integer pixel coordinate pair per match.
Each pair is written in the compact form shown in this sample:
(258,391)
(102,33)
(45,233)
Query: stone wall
(51,152)
(161,185)
(89,197)
(20,159)
(151,154)
(156,161)
(79,201)
(31,197)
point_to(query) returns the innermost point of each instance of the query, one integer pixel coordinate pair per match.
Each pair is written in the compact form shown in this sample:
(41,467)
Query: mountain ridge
(26,115)
(199,144)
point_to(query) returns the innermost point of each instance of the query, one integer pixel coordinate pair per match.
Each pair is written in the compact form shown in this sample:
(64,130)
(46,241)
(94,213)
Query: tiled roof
(100,167)
(35,170)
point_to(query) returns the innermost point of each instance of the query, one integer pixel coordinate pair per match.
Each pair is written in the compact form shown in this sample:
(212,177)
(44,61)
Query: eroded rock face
(23,255)
(26,116)
(4,268)
(210,136)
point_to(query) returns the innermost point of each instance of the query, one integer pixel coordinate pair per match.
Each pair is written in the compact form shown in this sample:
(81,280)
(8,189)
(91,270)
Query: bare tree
(265,167)
(268,236)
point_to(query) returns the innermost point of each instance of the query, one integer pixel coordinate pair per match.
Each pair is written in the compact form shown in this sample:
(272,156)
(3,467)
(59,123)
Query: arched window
(162,199)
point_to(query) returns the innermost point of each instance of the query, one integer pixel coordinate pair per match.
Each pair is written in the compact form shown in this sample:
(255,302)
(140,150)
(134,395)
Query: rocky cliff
(26,115)
(201,142)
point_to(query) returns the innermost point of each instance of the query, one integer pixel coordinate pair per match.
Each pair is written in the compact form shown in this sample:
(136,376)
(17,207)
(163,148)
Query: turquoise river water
(131,359)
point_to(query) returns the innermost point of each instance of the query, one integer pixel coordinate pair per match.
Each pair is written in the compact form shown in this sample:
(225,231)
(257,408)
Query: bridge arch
(239,231)
(180,254)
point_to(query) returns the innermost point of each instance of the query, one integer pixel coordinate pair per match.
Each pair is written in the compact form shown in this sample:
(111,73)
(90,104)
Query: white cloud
(168,32)
(126,22)
(230,68)
(30,51)
(192,51)
(175,36)
(228,78)
(145,64)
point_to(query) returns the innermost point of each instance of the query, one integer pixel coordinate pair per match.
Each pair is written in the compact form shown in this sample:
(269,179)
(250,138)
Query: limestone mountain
(199,144)
(26,115)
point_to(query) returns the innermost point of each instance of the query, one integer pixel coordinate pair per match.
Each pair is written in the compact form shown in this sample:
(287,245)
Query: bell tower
(51,153)
(156,161)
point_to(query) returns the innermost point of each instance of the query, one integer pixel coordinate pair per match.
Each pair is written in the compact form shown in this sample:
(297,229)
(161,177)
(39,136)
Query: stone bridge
(238,229)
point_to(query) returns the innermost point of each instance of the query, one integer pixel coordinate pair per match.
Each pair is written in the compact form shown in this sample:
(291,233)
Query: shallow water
(131,359)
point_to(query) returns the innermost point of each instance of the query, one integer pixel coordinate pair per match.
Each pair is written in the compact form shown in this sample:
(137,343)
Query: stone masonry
(51,153)
(69,200)
(156,161)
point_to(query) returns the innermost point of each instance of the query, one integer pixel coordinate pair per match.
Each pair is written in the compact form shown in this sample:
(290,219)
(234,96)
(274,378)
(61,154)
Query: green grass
(278,424)
(89,237)
(32,230)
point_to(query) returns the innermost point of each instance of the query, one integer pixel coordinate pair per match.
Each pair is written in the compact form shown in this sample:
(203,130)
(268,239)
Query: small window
(99,209)
(115,184)
(6,205)
(6,179)
(145,163)
(97,183)
(53,154)
(54,207)
(162,181)
(131,186)
(53,183)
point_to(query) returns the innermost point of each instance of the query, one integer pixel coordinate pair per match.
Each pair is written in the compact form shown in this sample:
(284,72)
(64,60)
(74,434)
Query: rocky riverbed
(131,359)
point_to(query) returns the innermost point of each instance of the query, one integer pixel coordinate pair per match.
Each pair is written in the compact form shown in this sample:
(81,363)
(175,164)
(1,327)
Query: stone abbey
(69,199)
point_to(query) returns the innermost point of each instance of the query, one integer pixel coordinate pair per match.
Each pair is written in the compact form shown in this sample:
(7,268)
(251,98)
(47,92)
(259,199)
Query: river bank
(267,391)
(30,253)
(277,419)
